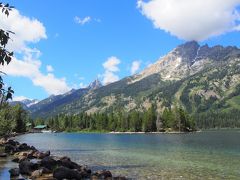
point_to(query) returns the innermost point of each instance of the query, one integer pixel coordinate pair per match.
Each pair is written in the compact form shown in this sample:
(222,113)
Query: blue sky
(80,36)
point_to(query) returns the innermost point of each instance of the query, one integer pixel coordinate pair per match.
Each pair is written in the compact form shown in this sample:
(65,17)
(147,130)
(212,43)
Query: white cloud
(109,77)
(26,30)
(51,84)
(192,19)
(135,66)
(82,21)
(27,63)
(111,67)
(30,68)
(112,64)
(50,68)
(19,98)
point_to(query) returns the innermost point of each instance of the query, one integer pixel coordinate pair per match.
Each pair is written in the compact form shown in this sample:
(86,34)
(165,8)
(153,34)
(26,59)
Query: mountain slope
(201,78)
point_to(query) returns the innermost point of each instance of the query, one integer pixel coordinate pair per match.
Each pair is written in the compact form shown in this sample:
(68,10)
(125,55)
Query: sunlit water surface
(204,155)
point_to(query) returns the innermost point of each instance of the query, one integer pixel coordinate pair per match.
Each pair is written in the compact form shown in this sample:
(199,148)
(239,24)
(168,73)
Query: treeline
(12,119)
(218,119)
(134,121)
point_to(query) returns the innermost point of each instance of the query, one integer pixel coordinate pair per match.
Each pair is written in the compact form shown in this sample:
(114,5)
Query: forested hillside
(204,80)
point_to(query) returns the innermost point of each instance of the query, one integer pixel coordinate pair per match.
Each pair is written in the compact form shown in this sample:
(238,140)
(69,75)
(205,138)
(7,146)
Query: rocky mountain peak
(188,51)
(187,59)
(95,85)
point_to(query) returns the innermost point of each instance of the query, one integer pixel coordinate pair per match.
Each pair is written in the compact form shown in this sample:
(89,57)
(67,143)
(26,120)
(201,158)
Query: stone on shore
(12,142)
(37,174)
(41,155)
(9,149)
(3,155)
(66,173)
(42,166)
(103,174)
(26,167)
(25,147)
(49,163)
(66,162)
(14,172)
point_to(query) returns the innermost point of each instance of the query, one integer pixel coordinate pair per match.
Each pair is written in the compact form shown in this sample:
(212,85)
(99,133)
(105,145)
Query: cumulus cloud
(26,63)
(192,19)
(82,21)
(135,66)
(111,67)
(112,64)
(26,30)
(30,68)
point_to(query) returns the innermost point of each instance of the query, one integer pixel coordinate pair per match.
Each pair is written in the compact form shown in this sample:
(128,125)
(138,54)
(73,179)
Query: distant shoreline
(173,132)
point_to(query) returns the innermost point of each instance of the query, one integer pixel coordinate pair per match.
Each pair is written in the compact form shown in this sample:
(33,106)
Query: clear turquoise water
(204,155)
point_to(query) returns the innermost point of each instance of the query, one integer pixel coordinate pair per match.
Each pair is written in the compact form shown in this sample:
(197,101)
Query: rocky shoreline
(36,165)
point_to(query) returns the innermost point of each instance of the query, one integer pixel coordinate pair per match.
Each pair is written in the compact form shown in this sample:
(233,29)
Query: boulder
(37,174)
(66,173)
(41,155)
(49,163)
(14,172)
(66,162)
(24,147)
(85,171)
(12,142)
(3,155)
(103,174)
(27,167)
(10,148)
(46,171)
(20,156)
(28,154)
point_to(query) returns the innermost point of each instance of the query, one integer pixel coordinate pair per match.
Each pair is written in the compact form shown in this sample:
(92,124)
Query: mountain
(95,85)
(200,78)
(53,104)
(26,103)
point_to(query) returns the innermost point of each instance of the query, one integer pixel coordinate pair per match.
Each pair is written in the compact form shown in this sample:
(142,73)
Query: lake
(203,155)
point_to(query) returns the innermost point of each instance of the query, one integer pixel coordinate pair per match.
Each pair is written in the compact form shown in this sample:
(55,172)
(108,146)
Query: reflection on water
(5,165)
(203,155)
